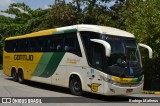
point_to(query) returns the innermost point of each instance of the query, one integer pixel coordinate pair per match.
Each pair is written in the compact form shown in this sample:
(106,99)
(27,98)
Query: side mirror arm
(105,44)
(147,47)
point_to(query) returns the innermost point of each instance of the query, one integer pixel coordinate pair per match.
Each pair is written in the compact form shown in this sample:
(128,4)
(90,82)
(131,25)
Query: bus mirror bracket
(147,47)
(105,44)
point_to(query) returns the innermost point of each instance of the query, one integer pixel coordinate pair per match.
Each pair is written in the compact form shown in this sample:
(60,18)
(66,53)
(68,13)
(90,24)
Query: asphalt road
(59,95)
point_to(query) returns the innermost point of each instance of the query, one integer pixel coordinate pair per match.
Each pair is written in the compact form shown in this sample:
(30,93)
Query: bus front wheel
(75,86)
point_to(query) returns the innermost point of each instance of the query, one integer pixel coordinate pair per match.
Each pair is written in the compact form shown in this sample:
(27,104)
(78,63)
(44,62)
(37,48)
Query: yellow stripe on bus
(122,80)
(34,34)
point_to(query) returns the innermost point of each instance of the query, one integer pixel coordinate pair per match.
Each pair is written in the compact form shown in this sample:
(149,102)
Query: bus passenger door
(96,60)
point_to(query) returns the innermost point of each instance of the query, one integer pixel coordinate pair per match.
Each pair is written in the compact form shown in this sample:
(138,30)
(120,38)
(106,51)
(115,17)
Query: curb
(151,92)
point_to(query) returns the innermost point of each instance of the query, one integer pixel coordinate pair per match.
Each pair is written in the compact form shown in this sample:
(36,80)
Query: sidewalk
(151,92)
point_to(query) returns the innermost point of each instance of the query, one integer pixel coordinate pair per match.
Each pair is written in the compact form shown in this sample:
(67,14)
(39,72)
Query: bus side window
(48,45)
(97,55)
(17,44)
(56,43)
(30,45)
(86,36)
(14,46)
(10,46)
(52,45)
(23,45)
(40,44)
(71,44)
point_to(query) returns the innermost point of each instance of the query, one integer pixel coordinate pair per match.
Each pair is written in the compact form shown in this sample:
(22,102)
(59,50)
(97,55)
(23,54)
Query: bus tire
(21,77)
(14,75)
(75,86)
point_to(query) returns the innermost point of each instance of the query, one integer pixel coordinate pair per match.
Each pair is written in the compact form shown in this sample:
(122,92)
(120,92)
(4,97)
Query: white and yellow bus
(90,58)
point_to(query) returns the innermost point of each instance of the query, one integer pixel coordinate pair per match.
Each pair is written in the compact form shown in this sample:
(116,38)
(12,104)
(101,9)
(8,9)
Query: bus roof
(80,27)
(105,30)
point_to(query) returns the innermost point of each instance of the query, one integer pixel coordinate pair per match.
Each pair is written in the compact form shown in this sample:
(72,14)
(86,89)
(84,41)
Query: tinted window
(56,43)
(67,42)
(71,44)
(97,55)
(86,36)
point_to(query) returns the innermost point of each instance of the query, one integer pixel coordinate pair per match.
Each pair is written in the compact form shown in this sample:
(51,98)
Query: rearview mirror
(105,44)
(147,47)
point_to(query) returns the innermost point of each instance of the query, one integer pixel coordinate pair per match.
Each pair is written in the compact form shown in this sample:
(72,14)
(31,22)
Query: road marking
(151,92)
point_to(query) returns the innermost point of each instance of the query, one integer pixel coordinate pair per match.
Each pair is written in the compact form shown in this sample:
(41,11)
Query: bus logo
(23,57)
(94,86)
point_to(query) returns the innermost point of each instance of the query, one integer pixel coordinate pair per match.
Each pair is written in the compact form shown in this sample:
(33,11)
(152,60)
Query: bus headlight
(112,81)
(108,80)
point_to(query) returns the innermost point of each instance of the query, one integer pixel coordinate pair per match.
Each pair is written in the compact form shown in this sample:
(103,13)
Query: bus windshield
(124,60)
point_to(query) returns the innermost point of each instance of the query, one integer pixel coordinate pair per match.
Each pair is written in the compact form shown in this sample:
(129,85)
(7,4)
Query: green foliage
(144,22)
(62,15)
(23,20)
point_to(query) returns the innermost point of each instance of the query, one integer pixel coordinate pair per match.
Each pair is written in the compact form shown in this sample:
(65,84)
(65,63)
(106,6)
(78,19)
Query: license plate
(129,90)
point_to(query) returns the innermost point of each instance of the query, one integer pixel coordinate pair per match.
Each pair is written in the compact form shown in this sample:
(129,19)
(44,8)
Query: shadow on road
(45,86)
(86,98)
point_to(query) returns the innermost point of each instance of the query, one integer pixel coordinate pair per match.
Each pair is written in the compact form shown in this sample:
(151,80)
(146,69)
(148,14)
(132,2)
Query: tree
(25,19)
(62,15)
(21,11)
(94,11)
(144,22)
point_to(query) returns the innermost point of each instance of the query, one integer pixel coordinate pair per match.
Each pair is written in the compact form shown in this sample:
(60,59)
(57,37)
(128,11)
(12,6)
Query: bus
(90,58)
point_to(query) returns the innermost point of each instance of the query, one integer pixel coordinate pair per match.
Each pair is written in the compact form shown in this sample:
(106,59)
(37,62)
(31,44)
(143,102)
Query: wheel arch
(21,69)
(13,69)
(74,74)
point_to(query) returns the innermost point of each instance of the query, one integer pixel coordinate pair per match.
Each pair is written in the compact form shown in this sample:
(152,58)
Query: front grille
(128,84)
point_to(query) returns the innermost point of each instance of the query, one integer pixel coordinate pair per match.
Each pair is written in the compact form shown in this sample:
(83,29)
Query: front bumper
(112,89)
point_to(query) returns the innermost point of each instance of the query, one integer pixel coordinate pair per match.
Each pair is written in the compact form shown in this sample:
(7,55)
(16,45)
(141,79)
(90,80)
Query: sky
(33,4)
